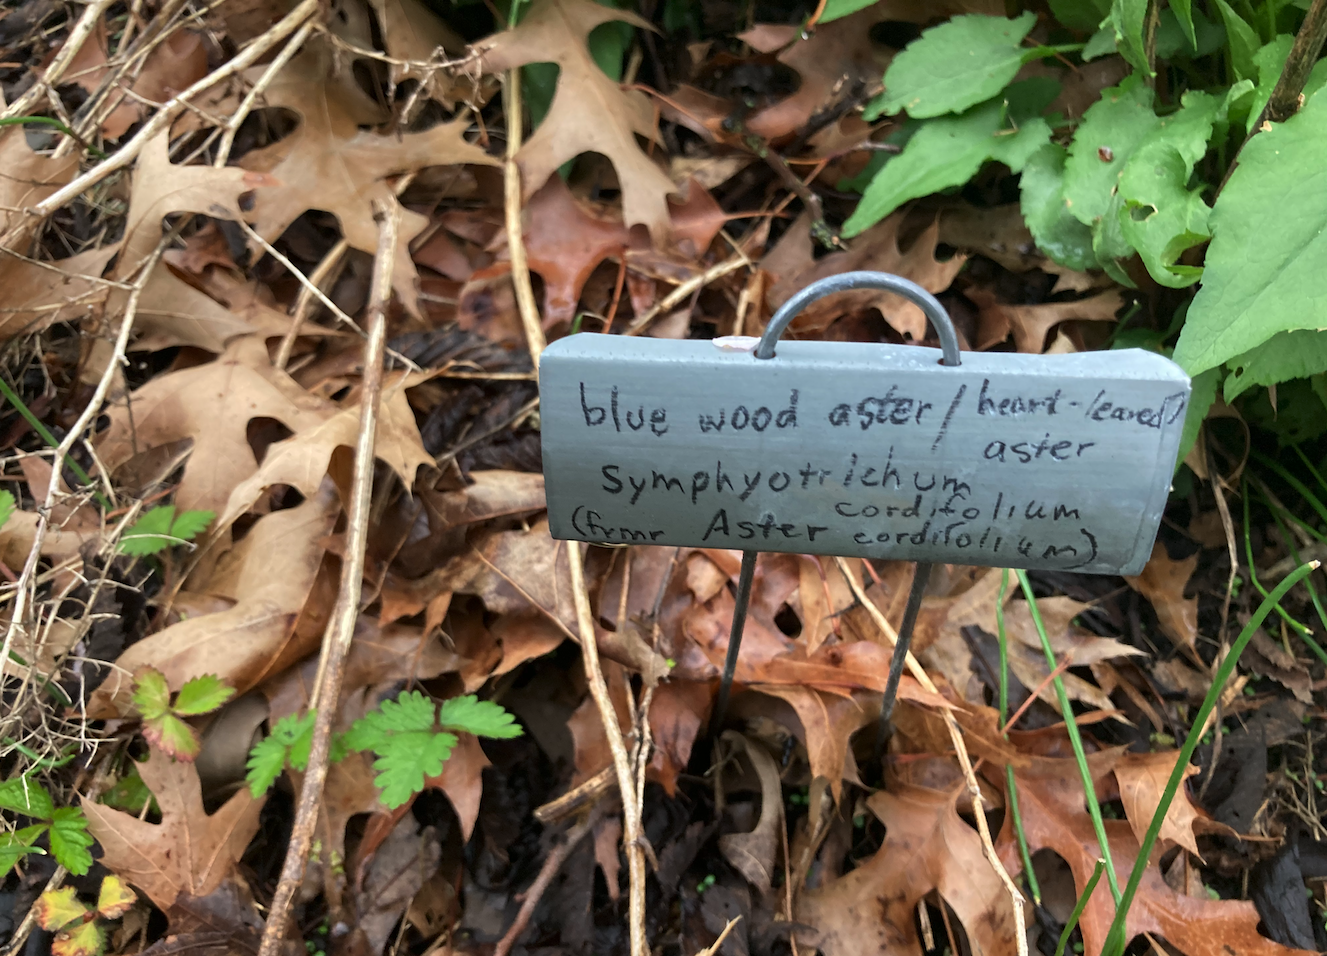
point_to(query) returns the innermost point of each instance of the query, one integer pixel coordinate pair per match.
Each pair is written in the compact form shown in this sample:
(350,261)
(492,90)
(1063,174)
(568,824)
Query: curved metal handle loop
(863,280)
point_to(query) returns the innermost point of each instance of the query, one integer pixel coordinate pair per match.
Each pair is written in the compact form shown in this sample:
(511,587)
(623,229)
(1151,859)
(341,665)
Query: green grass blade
(1075,739)
(1295,626)
(1115,940)
(1010,783)
(1079,907)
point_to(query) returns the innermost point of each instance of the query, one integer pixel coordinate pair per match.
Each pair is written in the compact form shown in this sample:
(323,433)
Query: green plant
(287,746)
(77,926)
(161,528)
(411,738)
(66,828)
(1204,143)
(163,719)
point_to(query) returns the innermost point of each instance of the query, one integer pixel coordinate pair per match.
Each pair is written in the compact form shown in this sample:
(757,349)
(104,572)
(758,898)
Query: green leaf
(1265,265)
(838,9)
(150,533)
(173,737)
(1058,234)
(483,718)
(1101,44)
(946,152)
(1083,15)
(1128,18)
(56,909)
(1286,355)
(289,743)
(7,506)
(1110,130)
(203,694)
(70,840)
(114,898)
(129,794)
(14,846)
(190,524)
(1201,396)
(406,759)
(151,693)
(1243,42)
(1183,10)
(950,67)
(411,711)
(24,795)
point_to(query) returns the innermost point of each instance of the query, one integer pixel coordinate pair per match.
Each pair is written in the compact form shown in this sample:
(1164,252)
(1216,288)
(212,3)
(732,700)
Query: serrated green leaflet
(406,760)
(953,66)
(1286,355)
(412,711)
(172,736)
(70,840)
(24,795)
(1110,130)
(151,693)
(1264,267)
(483,718)
(946,152)
(288,744)
(202,695)
(159,529)
(1058,234)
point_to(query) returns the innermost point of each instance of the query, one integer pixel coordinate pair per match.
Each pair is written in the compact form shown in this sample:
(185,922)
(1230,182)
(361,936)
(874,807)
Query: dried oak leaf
(329,163)
(189,854)
(27,177)
(1050,795)
(268,576)
(413,32)
(927,847)
(40,294)
(1163,582)
(213,405)
(1142,779)
(1031,323)
(590,112)
(793,266)
(752,854)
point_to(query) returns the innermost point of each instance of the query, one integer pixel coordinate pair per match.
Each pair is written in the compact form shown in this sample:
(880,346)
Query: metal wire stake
(920,576)
(744,580)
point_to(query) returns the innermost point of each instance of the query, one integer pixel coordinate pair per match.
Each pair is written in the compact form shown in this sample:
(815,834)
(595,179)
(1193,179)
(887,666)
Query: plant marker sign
(1056,462)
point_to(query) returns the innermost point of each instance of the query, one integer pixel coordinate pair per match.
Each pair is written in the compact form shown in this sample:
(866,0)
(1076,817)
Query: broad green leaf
(1108,242)
(1286,355)
(1202,394)
(7,506)
(172,736)
(190,524)
(84,939)
(25,795)
(150,534)
(70,840)
(1183,10)
(151,693)
(1128,17)
(56,909)
(15,846)
(838,9)
(115,898)
(958,64)
(1083,15)
(1101,44)
(406,760)
(1243,42)
(1268,253)
(483,718)
(946,152)
(1058,234)
(1110,130)
(202,695)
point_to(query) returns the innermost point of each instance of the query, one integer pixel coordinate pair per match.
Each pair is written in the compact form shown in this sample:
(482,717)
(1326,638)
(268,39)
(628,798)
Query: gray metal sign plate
(1060,462)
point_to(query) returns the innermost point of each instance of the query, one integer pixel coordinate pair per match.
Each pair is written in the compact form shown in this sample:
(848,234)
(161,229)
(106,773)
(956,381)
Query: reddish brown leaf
(1163,582)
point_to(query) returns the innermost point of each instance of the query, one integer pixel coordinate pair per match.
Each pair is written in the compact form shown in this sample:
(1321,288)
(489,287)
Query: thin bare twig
(685,290)
(960,748)
(520,268)
(251,99)
(78,36)
(341,627)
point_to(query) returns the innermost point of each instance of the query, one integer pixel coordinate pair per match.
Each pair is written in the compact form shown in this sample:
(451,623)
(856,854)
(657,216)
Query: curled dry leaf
(828,721)
(1031,323)
(413,32)
(590,113)
(189,853)
(927,847)
(1163,582)
(268,575)
(753,854)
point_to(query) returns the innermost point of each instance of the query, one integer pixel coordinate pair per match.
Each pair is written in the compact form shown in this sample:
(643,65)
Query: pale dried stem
(78,36)
(246,106)
(160,121)
(341,627)
(520,267)
(685,290)
(304,302)
(552,863)
(24,588)
(964,762)
(307,284)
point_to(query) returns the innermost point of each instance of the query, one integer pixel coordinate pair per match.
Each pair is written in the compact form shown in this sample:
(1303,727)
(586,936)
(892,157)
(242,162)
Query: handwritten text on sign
(1028,461)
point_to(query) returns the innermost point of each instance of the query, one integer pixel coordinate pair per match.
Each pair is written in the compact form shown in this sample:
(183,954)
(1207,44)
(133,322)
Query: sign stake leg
(920,576)
(744,580)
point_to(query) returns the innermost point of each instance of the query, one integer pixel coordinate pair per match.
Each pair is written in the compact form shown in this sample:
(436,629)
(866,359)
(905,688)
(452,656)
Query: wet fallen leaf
(1163,582)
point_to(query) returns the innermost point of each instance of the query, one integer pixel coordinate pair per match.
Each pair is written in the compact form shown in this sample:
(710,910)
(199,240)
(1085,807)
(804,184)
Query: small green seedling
(65,827)
(77,927)
(163,721)
(160,528)
(287,746)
